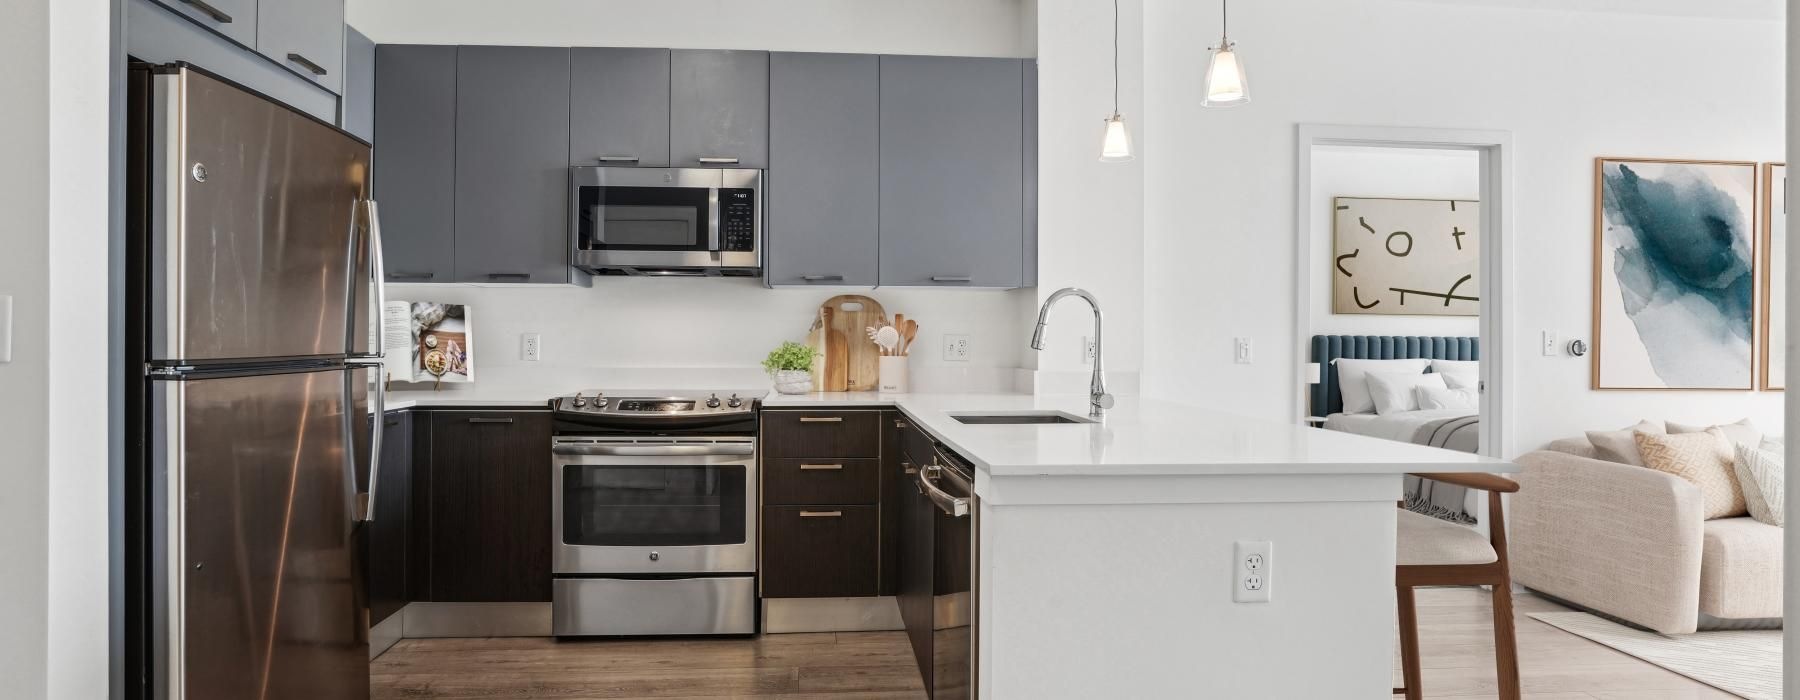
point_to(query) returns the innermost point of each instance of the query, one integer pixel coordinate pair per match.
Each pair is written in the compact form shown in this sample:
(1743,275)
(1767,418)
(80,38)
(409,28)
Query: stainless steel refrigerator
(257,269)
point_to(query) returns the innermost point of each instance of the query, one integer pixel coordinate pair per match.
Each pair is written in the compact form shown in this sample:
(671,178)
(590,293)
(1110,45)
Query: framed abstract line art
(1774,278)
(1674,274)
(1406,257)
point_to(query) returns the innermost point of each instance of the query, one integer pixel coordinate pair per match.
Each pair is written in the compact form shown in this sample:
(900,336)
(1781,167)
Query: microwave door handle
(712,221)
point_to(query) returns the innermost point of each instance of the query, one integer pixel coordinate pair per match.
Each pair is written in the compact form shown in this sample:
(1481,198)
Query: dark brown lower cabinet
(489,506)
(387,534)
(820,551)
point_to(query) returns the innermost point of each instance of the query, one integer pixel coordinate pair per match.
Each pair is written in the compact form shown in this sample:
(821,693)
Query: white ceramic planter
(793,381)
(893,379)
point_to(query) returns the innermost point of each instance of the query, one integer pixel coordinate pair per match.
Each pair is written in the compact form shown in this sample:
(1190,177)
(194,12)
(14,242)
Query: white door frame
(1495,147)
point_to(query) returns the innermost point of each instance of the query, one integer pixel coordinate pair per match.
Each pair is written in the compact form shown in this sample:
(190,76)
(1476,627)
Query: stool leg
(1506,648)
(1409,645)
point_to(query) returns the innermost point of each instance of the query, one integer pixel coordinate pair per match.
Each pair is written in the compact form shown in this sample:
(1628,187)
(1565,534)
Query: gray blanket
(1436,499)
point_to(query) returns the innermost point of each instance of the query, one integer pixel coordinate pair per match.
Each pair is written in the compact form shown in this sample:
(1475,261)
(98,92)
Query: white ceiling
(1770,10)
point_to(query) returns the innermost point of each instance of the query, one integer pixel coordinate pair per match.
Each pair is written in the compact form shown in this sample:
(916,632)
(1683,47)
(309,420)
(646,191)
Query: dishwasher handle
(740,449)
(951,505)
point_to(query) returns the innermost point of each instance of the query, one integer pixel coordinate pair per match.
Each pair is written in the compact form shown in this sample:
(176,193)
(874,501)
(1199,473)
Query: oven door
(654,506)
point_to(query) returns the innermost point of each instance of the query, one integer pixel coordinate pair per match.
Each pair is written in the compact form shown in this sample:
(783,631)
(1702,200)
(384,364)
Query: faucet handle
(1101,401)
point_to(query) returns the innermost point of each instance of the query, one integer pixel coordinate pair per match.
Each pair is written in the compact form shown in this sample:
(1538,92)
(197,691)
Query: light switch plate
(1253,571)
(5,328)
(1241,351)
(1550,343)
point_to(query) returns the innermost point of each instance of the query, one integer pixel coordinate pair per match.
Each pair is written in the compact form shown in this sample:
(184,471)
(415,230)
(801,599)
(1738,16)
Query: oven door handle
(655,450)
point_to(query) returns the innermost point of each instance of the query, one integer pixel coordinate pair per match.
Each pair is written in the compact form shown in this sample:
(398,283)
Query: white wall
(53,517)
(1404,173)
(1569,85)
(942,27)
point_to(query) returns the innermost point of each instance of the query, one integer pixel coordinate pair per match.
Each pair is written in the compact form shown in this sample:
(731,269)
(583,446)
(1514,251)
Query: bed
(1453,429)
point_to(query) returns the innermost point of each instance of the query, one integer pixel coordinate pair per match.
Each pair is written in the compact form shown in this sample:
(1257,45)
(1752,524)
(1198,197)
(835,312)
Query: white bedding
(1393,426)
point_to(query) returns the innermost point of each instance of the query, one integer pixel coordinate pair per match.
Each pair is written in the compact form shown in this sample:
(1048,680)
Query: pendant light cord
(1224,21)
(1115,57)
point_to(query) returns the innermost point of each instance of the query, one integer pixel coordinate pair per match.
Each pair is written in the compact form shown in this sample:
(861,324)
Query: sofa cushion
(1578,446)
(1742,432)
(1762,477)
(1740,569)
(1621,445)
(1427,541)
(1703,459)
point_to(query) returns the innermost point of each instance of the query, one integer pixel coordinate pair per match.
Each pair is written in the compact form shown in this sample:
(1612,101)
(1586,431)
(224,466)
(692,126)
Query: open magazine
(428,342)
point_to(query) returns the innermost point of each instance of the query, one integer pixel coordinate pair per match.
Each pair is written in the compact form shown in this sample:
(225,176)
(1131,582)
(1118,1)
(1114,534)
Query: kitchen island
(1107,561)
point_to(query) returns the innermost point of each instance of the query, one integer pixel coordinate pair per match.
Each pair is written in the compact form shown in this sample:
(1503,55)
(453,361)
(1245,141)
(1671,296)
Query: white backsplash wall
(645,332)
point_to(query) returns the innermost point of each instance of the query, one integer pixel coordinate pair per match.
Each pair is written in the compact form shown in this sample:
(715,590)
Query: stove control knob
(579,401)
(599,402)
(713,402)
(735,401)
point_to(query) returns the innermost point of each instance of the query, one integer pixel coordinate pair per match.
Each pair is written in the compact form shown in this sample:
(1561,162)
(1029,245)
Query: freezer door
(256,229)
(265,593)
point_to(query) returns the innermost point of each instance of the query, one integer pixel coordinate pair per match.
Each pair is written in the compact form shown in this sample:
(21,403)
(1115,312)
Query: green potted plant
(790,365)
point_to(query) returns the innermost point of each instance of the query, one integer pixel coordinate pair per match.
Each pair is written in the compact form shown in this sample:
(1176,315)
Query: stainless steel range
(654,513)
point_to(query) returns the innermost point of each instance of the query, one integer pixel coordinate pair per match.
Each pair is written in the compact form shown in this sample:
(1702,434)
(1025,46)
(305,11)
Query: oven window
(654,506)
(644,218)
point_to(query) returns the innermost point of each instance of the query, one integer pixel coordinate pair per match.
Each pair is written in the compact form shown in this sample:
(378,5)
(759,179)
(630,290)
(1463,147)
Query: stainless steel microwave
(667,221)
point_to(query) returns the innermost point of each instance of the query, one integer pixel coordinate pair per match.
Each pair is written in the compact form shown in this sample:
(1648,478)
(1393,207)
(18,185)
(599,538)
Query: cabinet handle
(307,63)
(490,420)
(393,421)
(618,159)
(718,161)
(821,514)
(411,275)
(952,278)
(822,278)
(820,419)
(900,424)
(509,275)
(820,467)
(217,14)
(908,468)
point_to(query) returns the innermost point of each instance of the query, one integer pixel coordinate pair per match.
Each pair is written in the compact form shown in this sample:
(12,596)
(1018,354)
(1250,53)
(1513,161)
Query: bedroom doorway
(1418,296)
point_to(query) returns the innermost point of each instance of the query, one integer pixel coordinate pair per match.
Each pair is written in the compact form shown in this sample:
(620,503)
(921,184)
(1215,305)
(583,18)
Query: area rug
(1745,663)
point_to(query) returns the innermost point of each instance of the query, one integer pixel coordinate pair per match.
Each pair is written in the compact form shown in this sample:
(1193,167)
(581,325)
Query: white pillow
(1760,474)
(1393,393)
(1742,432)
(1353,381)
(1431,398)
(1456,366)
(1462,380)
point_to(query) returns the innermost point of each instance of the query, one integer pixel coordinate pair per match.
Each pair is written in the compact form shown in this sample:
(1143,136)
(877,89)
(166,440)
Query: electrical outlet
(1253,571)
(1241,351)
(530,347)
(1550,343)
(956,347)
(1088,349)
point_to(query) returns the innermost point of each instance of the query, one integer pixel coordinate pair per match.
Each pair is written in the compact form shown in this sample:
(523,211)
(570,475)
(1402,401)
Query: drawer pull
(718,161)
(618,159)
(908,468)
(306,63)
(952,278)
(490,420)
(821,514)
(900,424)
(821,278)
(213,12)
(411,275)
(820,467)
(821,419)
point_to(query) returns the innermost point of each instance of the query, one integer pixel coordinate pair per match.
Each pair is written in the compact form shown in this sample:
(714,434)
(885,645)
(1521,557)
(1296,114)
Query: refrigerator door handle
(377,434)
(377,277)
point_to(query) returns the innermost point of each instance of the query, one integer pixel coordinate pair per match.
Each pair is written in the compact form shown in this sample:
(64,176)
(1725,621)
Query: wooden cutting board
(848,360)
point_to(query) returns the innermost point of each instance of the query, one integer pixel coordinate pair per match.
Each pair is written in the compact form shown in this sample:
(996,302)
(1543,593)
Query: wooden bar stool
(1434,552)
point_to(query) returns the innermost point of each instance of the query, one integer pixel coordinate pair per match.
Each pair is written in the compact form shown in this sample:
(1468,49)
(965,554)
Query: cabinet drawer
(799,482)
(846,434)
(820,551)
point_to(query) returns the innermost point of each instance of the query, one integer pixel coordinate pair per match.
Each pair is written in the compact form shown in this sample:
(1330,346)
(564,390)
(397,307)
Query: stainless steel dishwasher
(939,572)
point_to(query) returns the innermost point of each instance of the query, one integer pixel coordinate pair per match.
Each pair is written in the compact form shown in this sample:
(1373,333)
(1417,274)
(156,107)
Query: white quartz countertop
(1145,437)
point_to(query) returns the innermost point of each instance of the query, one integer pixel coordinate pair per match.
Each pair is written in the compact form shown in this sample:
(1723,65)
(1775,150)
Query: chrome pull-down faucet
(1098,399)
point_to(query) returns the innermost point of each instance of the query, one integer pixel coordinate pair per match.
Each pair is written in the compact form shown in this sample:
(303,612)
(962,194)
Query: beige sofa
(1630,542)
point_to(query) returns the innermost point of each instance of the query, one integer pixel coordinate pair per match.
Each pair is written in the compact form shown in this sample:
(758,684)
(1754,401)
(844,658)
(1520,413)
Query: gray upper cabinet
(619,107)
(952,192)
(512,164)
(235,19)
(1030,144)
(357,111)
(823,217)
(415,160)
(719,109)
(307,36)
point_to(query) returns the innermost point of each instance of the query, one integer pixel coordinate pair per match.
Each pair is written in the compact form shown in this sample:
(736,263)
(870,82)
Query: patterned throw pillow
(1760,474)
(1704,459)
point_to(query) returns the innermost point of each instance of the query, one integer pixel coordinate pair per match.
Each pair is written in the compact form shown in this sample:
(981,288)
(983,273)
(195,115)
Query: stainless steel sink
(1019,418)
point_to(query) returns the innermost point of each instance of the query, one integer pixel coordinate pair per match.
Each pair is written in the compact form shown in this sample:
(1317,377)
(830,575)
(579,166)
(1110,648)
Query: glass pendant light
(1115,146)
(1225,82)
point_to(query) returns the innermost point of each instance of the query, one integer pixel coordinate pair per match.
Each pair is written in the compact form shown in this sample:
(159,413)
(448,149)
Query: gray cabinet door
(719,109)
(619,107)
(1030,144)
(951,171)
(307,36)
(233,18)
(357,109)
(415,163)
(823,223)
(512,164)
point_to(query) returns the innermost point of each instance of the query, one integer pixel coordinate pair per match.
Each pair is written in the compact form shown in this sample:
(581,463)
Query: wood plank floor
(1455,636)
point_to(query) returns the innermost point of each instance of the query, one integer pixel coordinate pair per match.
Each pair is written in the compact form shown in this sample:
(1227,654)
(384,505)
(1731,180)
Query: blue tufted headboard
(1325,398)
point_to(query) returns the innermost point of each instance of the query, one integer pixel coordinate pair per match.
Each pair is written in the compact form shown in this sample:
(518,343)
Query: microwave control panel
(737,219)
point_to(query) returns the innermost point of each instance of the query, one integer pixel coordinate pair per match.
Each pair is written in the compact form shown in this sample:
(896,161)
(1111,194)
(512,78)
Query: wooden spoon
(907,335)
